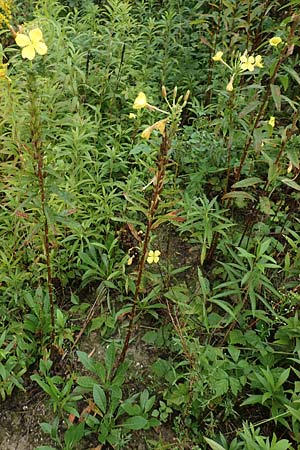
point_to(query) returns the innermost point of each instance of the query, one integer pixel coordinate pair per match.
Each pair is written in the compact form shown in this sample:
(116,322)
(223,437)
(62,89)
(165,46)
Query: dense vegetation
(149,198)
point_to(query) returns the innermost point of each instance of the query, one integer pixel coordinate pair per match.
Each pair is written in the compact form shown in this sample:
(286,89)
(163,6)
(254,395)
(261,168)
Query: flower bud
(175,93)
(186,97)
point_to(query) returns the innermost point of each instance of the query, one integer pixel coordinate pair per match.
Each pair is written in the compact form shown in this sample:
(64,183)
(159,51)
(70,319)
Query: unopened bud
(175,93)
(186,97)
(163,91)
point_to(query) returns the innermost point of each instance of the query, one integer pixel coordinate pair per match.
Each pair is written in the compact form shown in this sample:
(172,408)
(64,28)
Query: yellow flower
(153,256)
(3,71)
(218,56)
(140,102)
(132,116)
(247,62)
(229,86)
(258,61)
(272,121)
(31,43)
(147,132)
(160,125)
(274,41)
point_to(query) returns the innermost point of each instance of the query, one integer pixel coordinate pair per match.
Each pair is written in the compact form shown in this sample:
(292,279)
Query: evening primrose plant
(167,128)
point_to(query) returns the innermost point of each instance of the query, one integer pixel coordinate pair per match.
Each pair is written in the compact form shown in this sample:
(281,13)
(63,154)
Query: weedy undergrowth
(173,230)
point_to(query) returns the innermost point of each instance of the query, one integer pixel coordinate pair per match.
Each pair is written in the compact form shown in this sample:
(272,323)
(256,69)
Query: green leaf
(110,356)
(293,156)
(214,445)
(86,382)
(86,361)
(293,74)
(99,398)
(252,400)
(45,447)
(74,434)
(130,409)
(283,377)
(249,108)
(275,90)
(291,183)
(239,195)
(247,182)
(234,352)
(135,423)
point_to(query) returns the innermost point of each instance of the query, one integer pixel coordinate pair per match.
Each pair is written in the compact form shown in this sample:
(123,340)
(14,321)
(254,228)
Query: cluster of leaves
(75,171)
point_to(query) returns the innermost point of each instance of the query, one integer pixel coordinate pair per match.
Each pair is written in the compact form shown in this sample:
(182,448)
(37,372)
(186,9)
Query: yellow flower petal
(22,40)
(41,48)
(243,58)
(247,62)
(272,121)
(140,102)
(160,125)
(35,35)
(28,52)
(147,132)
(274,41)
(258,61)
(153,256)
(3,71)
(229,87)
(218,56)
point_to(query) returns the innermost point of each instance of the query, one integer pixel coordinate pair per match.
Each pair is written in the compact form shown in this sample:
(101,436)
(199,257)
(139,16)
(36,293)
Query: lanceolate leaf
(239,195)
(214,445)
(291,183)
(247,182)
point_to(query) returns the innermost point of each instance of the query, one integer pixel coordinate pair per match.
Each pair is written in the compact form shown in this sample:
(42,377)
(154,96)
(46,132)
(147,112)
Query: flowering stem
(155,198)
(285,52)
(36,142)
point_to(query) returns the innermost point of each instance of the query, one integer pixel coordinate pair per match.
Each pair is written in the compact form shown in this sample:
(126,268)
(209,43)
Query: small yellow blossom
(130,261)
(274,41)
(229,87)
(218,56)
(31,43)
(3,71)
(247,62)
(258,61)
(132,116)
(140,102)
(272,121)
(153,256)
(147,133)
(160,125)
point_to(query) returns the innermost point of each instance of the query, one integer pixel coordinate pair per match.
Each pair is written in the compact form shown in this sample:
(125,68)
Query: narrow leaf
(99,397)
(239,195)
(214,445)
(247,182)
(275,90)
(135,423)
(291,183)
